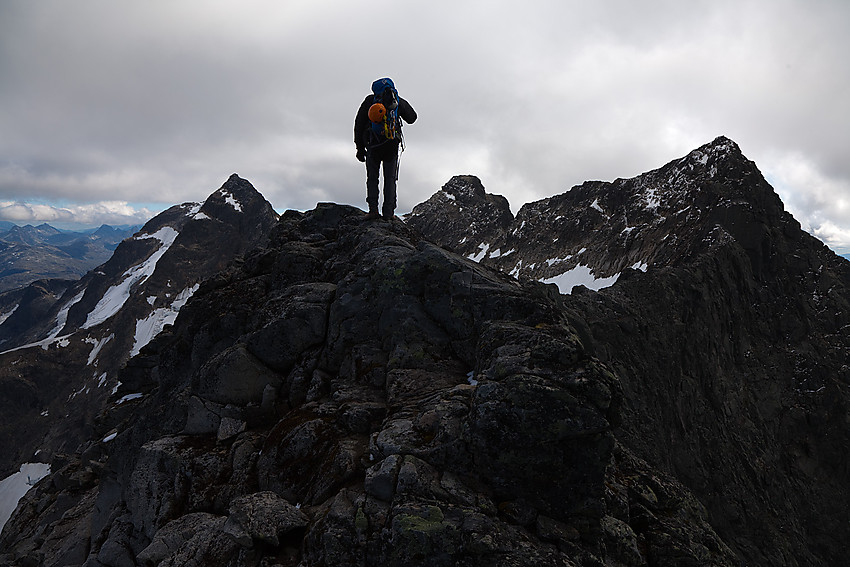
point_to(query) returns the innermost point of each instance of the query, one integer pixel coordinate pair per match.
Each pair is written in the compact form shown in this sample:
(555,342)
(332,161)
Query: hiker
(377,135)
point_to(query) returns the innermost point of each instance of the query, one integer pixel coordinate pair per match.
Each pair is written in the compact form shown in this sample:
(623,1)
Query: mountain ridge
(660,201)
(354,392)
(91,326)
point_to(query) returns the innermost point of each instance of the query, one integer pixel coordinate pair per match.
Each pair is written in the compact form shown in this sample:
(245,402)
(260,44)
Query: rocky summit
(354,392)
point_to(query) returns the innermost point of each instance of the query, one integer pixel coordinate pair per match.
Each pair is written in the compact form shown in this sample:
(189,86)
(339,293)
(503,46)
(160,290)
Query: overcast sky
(111,111)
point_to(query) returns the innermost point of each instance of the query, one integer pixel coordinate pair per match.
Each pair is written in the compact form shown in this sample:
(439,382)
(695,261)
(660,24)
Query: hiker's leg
(390,178)
(373,168)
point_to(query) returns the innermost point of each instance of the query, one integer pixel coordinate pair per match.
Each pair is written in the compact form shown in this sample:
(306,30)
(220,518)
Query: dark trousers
(374,161)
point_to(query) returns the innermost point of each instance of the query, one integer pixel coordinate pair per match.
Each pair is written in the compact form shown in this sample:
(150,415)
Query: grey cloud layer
(161,101)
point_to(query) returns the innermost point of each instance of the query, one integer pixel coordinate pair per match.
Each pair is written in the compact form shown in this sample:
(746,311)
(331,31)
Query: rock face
(462,216)
(666,217)
(729,341)
(353,393)
(62,343)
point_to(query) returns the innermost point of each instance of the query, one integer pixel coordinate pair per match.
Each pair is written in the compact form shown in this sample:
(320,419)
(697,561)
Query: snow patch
(483,248)
(110,437)
(517,268)
(5,316)
(98,344)
(82,390)
(153,324)
(231,200)
(595,205)
(580,275)
(62,316)
(653,200)
(551,261)
(115,297)
(194,211)
(129,397)
(13,487)
(193,208)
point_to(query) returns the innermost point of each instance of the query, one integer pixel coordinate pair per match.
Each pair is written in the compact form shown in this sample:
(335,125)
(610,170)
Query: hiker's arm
(361,122)
(406,111)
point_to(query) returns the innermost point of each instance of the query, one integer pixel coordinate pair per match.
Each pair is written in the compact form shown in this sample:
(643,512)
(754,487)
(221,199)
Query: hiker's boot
(372,214)
(388,216)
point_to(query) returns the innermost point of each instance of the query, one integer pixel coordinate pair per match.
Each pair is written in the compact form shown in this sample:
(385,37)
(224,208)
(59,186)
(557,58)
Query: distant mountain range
(30,253)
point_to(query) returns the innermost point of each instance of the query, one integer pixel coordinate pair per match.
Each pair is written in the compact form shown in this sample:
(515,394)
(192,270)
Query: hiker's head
(380,85)
(388,99)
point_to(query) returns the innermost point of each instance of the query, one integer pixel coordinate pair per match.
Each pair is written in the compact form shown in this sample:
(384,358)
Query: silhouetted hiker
(377,135)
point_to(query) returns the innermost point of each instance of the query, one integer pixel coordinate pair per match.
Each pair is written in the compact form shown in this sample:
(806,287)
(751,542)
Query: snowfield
(580,275)
(117,295)
(153,324)
(4,316)
(231,200)
(13,488)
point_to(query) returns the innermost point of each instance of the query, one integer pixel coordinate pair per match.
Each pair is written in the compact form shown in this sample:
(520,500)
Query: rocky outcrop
(462,216)
(353,394)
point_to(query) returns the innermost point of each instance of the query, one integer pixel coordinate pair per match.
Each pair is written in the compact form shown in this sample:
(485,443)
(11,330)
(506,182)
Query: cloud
(820,202)
(95,214)
(161,102)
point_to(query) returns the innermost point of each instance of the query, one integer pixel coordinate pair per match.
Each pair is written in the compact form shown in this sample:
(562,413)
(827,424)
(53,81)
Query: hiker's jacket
(362,125)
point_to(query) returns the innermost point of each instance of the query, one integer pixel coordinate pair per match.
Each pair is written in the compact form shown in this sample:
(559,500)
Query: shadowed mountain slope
(728,328)
(62,343)
(355,393)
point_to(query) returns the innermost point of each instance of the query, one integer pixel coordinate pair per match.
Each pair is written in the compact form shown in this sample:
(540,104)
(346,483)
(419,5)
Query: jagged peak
(721,145)
(236,193)
(465,187)
(713,154)
(231,192)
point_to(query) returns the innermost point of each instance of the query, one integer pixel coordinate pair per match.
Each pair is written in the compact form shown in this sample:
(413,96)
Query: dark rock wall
(354,395)
(731,348)
(739,390)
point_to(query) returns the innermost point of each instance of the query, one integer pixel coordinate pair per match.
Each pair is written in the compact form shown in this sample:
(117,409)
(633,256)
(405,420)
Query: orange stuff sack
(377,112)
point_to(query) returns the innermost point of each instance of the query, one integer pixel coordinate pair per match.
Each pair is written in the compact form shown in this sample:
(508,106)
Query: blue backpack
(389,128)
